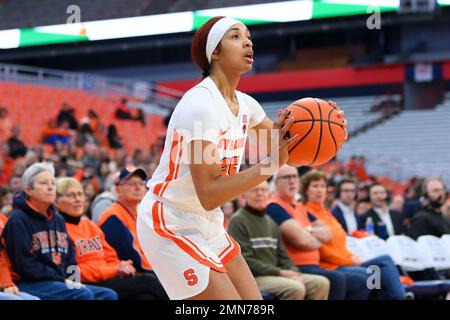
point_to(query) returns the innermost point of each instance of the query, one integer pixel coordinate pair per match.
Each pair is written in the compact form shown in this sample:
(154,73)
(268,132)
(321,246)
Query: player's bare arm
(213,189)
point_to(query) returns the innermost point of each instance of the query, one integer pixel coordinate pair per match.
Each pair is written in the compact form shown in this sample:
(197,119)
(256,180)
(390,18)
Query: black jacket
(396,219)
(427,221)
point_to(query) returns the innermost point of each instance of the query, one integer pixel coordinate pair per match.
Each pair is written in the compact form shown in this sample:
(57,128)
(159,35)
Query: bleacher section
(415,142)
(31,106)
(357,110)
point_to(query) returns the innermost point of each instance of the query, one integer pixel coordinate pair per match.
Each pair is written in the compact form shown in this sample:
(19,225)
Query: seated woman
(36,242)
(98,261)
(334,254)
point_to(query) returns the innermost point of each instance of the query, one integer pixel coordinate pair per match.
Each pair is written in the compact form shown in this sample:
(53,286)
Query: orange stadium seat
(31,106)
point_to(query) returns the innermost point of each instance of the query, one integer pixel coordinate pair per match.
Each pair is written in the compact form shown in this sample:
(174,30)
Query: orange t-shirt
(97,260)
(5,275)
(334,253)
(300,215)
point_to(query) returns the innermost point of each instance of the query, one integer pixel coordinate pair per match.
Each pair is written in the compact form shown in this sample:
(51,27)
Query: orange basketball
(321,132)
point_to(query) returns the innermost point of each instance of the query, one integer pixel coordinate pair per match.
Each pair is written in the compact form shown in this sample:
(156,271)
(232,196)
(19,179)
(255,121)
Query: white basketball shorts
(182,246)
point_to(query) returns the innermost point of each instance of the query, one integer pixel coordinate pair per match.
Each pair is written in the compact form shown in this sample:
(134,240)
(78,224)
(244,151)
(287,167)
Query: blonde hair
(64,183)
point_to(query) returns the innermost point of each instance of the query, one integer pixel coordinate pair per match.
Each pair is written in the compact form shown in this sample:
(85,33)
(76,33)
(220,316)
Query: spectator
(5,125)
(412,200)
(331,194)
(67,114)
(334,254)
(6,163)
(102,173)
(54,133)
(98,262)
(363,191)
(8,289)
(344,211)
(138,158)
(445,209)
(429,220)
(36,242)
(263,250)
(3,177)
(90,192)
(105,199)
(303,239)
(86,135)
(114,140)
(361,207)
(15,183)
(91,156)
(386,222)
(16,146)
(7,203)
(397,203)
(100,135)
(155,152)
(118,222)
(228,210)
(124,112)
(92,119)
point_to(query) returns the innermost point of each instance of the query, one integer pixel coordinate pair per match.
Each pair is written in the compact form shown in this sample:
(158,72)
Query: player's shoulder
(246,97)
(203,91)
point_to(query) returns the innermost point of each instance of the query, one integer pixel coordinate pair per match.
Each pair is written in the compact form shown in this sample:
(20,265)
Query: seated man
(37,244)
(262,248)
(344,211)
(303,238)
(386,222)
(118,222)
(97,260)
(429,220)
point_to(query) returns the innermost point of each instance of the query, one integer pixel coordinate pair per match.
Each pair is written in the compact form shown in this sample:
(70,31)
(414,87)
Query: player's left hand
(341,115)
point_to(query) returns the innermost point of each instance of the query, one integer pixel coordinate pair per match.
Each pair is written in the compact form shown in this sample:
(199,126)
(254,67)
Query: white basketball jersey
(202,114)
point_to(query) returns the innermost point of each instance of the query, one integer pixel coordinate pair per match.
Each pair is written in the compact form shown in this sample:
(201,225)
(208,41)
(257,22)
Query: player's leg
(242,279)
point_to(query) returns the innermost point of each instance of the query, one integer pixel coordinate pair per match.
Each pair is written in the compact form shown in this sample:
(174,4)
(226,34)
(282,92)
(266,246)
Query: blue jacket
(38,247)
(339,215)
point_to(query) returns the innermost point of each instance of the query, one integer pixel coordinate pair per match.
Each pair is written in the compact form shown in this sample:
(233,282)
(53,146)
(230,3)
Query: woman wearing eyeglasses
(98,261)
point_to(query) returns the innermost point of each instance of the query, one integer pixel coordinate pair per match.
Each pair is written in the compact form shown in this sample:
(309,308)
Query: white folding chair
(445,239)
(406,253)
(355,246)
(435,251)
(375,246)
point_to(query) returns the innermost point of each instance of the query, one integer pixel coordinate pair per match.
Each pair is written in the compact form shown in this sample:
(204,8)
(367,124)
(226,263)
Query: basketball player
(180,224)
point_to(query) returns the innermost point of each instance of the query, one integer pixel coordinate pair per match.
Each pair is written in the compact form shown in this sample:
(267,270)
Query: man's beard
(436,203)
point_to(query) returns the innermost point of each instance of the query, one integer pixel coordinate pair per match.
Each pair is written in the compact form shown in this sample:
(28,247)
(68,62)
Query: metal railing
(148,92)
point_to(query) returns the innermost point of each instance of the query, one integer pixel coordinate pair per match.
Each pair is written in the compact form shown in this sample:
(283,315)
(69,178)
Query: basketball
(321,132)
